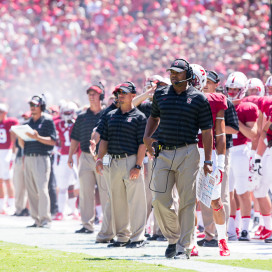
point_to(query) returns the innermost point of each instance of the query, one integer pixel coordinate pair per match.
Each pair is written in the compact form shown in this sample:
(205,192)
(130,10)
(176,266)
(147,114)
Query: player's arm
(72,150)
(220,133)
(262,140)
(207,140)
(142,97)
(249,130)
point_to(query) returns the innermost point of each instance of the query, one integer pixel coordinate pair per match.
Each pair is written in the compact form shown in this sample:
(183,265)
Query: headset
(100,86)
(42,101)
(189,72)
(133,86)
(216,77)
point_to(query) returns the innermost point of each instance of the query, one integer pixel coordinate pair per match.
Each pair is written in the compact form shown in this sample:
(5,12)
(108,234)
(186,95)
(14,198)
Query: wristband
(208,162)
(221,162)
(98,159)
(137,166)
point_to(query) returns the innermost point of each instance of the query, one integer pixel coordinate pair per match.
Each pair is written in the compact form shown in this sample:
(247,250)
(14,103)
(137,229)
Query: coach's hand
(207,169)
(70,162)
(148,141)
(99,166)
(134,173)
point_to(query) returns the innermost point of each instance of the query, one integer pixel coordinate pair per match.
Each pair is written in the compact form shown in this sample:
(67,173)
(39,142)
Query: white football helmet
(268,86)
(199,80)
(68,112)
(256,84)
(236,80)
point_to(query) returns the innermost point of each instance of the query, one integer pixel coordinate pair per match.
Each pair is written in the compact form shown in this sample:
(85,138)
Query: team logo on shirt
(189,100)
(40,125)
(129,119)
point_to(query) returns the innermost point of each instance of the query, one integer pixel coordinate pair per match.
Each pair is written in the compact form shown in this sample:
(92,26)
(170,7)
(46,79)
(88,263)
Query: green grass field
(20,258)
(246,263)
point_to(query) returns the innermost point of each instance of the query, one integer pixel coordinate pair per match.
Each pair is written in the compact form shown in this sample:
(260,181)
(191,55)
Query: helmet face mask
(236,80)
(268,86)
(199,80)
(255,86)
(68,112)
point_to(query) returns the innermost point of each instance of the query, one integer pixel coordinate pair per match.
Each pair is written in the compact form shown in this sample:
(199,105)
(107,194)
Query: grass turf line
(20,258)
(246,263)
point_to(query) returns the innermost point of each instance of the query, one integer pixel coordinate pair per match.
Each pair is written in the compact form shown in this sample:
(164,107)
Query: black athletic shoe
(182,255)
(24,212)
(153,237)
(211,243)
(201,242)
(105,241)
(244,236)
(170,252)
(118,244)
(33,226)
(269,239)
(84,230)
(136,244)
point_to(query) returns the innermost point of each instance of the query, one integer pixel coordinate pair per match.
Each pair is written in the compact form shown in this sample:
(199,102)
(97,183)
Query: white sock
(199,218)
(231,226)
(245,222)
(238,219)
(99,211)
(267,221)
(11,202)
(72,204)
(221,231)
(2,204)
(257,214)
(62,198)
(261,220)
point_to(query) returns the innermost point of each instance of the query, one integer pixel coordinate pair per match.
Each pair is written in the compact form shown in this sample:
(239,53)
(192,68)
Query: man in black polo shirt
(81,134)
(181,111)
(231,127)
(122,138)
(37,165)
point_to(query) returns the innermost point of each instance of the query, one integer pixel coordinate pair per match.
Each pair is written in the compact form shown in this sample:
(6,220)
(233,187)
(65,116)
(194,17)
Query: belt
(119,156)
(34,155)
(173,147)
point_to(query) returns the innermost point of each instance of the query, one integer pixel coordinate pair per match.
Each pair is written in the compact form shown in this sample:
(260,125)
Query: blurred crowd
(60,46)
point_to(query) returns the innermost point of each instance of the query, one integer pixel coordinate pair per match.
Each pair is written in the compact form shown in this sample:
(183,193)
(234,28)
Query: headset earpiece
(133,86)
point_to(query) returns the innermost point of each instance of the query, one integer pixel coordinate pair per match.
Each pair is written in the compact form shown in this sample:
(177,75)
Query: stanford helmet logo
(189,100)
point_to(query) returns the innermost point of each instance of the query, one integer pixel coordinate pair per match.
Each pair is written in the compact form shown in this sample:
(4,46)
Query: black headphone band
(189,70)
(41,101)
(133,86)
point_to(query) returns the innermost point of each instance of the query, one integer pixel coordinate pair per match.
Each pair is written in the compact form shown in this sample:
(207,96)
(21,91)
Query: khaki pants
(178,167)
(88,178)
(36,173)
(207,213)
(106,232)
(19,185)
(128,200)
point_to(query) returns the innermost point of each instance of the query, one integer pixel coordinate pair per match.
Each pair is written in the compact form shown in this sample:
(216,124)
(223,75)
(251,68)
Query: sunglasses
(121,92)
(34,105)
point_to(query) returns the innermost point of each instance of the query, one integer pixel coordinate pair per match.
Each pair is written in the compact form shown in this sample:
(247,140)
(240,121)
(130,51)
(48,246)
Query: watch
(208,162)
(137,166)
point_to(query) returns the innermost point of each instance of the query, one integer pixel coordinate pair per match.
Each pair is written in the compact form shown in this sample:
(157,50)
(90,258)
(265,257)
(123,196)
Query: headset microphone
(177,83)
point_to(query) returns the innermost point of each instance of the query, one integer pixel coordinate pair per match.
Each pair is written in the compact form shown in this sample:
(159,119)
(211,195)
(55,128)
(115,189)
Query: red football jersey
(269,132)
(247,112)
(5,125)
(253,99)
(64,133)
(264,103)
(217,102)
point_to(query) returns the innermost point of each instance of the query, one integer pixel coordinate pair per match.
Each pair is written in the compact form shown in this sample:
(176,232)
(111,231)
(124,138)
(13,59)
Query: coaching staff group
(181,111)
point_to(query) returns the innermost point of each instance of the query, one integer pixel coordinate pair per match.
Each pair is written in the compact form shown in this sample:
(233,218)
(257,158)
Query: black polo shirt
(46,128)
(124,132)
(102,120)
(83,128)
(181,115)
(231,119)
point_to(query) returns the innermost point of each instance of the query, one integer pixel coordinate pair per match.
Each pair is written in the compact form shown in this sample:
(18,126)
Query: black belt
(119,156)
(172,147)
(35,155)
